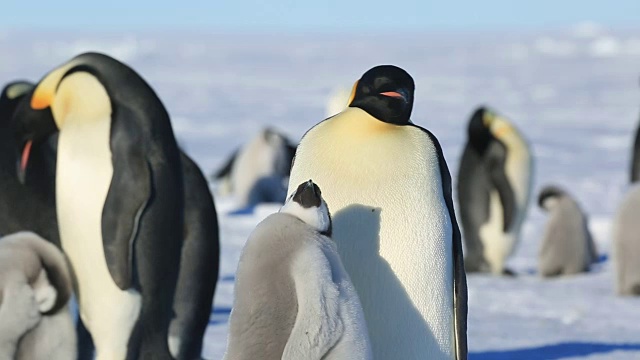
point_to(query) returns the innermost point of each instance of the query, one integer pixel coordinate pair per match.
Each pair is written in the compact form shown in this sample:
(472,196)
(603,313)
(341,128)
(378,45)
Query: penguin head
(386,93)
(486,126)
(549,197)
(15,114)
(307,204)
(11,96)
(273,137)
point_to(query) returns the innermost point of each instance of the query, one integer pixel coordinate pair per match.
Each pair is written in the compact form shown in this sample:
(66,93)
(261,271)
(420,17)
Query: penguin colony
(364,260)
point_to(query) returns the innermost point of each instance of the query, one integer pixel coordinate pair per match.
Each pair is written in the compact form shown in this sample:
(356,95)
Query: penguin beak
(394,94)
(41,99)
(24,161)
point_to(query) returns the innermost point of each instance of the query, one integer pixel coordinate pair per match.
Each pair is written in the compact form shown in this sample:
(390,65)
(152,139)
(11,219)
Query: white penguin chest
(393,232)
(83,176)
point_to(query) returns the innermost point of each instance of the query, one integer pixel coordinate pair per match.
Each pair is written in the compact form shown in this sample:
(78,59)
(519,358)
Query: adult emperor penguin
(200,252)
(567,246)
(494,187)
(266,155)
(293,298)
(119,200)
(29,205)
(389,188)
(626,244)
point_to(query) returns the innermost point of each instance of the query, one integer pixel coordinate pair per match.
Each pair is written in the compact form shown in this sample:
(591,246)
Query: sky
(316,15)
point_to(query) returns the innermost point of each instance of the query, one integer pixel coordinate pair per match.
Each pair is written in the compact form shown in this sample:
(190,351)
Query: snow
(573,92)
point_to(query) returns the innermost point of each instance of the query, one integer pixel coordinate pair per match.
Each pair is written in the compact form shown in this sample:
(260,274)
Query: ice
(573,93)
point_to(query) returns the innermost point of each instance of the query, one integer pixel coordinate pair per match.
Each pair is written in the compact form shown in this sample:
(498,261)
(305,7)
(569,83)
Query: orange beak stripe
(392,94)
(24,159)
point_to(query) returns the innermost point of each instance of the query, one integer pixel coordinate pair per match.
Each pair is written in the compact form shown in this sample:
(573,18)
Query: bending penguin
(567,246)
(29,205)
(119,200)
(265,158)
(389,188)
(200,252)
(494,187)
(293,298)
(626,244)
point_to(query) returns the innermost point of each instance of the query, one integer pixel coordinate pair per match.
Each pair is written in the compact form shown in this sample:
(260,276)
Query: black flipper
(460,296)
(226,169)
(496,162)
(129,193)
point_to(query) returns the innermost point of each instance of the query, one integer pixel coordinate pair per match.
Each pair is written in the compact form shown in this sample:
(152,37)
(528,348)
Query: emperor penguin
(200,256)
(293,298)
(494,189)
(29,205)
(567,246)
(626,244)
(266,155)
(389,188)
(119,200)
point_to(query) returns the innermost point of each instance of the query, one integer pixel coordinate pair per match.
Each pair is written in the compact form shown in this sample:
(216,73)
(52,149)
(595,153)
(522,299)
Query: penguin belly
(83,177)
(392,229)
(497,245)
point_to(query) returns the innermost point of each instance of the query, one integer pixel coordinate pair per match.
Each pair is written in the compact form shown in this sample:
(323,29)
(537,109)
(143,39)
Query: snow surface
(573,92)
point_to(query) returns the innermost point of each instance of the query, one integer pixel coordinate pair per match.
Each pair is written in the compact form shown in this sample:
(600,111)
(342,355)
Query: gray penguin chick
(293,297)
(567,245)
(35,286)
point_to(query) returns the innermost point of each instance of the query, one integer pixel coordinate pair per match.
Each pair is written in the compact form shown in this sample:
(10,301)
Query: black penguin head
(549,193)
(11,96)
(479,131)
(16,116)
(308,195)
(386,93)
(32,129)
(307,204)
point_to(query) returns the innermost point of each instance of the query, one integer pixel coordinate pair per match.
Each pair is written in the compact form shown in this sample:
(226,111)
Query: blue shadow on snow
(553,352)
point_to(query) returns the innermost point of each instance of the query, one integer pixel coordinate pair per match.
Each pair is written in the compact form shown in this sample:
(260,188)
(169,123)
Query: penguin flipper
(496,162)
(128,196)
(318,325)
(507,196)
